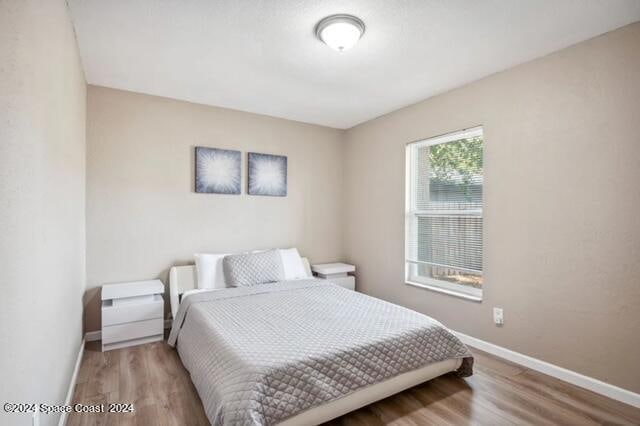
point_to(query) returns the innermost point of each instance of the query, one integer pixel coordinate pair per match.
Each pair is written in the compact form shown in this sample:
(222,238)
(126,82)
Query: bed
(302,352)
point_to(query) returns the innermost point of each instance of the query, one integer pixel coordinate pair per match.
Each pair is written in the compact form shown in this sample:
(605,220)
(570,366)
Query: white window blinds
(444,212)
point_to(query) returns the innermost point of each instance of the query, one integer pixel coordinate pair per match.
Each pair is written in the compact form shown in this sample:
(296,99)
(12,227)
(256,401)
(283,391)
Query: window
(444,213)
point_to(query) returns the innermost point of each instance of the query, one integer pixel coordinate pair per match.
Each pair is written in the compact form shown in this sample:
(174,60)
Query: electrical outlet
(498,316)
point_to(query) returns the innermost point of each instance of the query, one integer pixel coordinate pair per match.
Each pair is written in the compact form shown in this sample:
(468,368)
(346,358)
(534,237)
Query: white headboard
(184,278)
(181,279)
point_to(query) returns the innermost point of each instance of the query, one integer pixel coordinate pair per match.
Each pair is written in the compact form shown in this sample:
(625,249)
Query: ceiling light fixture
(340,32)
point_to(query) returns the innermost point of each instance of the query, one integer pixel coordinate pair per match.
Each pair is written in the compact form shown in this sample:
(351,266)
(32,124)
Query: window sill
(445,291)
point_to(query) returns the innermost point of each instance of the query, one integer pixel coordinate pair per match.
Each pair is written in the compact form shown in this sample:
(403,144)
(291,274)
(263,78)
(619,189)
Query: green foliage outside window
(458,162)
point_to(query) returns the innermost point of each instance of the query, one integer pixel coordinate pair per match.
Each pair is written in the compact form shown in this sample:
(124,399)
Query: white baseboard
(72,384)
(92,336)
(563,374)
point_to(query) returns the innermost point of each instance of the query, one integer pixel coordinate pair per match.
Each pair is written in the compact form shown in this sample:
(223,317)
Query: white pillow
(209,270)
(292,264)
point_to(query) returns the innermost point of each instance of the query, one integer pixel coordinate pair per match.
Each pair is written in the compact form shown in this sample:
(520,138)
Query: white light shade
(340,32)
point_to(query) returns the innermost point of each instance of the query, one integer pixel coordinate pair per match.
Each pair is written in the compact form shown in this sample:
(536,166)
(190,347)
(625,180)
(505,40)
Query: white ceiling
(262,56)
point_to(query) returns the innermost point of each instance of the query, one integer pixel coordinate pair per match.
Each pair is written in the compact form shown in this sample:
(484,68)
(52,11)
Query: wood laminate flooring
(153,378)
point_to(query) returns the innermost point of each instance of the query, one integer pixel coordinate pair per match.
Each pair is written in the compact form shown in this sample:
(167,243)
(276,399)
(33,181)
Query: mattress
(261,355)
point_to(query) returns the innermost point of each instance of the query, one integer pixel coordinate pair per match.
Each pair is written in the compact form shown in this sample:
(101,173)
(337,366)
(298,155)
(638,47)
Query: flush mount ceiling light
(340,32)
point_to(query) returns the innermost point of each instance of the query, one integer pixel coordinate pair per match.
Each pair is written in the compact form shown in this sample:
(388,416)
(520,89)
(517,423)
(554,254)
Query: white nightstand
(132,313)
(337,273)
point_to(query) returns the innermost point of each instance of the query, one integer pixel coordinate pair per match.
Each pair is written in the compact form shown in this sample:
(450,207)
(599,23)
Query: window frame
(411,211)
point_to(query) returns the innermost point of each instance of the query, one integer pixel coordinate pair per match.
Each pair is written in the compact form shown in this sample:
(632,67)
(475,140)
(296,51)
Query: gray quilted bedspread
(258,355)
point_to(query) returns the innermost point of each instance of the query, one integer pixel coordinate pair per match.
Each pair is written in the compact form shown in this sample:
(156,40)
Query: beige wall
(42,203)
(143,215)
(562,206)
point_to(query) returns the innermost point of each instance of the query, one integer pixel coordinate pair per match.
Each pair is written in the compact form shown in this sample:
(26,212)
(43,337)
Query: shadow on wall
(92,301)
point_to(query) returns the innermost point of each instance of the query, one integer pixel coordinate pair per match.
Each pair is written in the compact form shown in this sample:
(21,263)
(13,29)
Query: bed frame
(370,394)
(184,278)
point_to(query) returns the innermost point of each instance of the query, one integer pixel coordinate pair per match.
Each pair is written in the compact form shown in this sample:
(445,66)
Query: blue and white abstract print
(267,175)
(218,171)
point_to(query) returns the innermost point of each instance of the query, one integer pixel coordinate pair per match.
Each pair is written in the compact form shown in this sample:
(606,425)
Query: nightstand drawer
(348,282)
(112,315)
(132,330)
